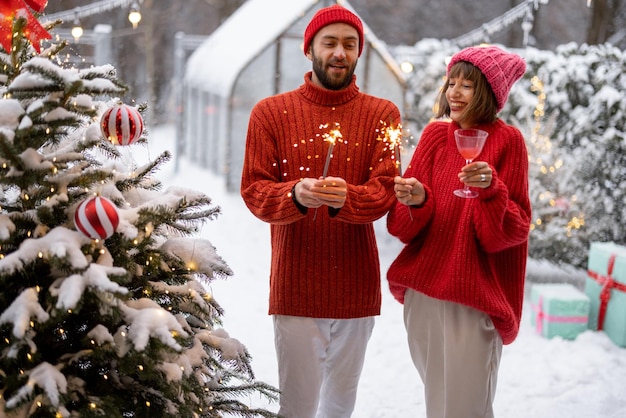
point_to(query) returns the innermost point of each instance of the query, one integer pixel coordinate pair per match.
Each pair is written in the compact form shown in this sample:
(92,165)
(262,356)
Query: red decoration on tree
(34,31)
(97,218)
(121,124)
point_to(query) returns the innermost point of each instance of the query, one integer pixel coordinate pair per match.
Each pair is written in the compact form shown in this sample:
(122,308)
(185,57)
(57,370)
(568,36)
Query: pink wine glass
(470,143)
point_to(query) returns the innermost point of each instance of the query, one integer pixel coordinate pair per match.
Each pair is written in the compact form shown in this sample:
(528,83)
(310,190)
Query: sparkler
(330,137)
(393,138)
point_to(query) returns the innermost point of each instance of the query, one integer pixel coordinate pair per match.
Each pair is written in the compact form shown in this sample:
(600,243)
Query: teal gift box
(559,310)
(606,287)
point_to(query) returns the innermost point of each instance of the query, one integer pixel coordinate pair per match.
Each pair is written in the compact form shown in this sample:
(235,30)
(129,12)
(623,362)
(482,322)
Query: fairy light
(542,145)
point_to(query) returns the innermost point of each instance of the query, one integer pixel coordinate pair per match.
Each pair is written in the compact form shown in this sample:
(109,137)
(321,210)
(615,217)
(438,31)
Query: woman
(461,272)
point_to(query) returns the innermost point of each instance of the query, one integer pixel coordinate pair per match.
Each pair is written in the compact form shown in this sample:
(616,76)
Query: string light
(522,10)
(89,10)
(77,30)
(134,17)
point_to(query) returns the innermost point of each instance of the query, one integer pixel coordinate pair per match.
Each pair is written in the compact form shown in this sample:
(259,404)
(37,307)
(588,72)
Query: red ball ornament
(121,124)
(97,218)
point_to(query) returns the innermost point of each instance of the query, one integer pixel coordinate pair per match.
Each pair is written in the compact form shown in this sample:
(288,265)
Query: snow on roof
(218,61)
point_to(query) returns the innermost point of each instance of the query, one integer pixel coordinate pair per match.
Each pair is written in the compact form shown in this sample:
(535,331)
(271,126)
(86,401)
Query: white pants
(319,364)
(456,350)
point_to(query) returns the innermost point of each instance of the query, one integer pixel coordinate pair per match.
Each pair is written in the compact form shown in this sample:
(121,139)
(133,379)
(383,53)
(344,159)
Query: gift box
(606,287)
(559,310)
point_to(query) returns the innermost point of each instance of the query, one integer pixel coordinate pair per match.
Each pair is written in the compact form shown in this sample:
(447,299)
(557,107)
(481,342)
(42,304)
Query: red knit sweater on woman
(324,262)
(468,251)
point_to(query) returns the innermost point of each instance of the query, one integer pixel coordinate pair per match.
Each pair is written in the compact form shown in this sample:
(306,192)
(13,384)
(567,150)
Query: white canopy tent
(255,53)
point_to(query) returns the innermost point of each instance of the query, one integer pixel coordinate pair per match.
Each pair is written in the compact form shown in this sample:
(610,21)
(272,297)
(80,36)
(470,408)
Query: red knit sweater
(324,262)
(469,251)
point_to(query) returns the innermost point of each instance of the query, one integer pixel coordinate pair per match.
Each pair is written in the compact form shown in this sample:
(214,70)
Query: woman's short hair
(483,107)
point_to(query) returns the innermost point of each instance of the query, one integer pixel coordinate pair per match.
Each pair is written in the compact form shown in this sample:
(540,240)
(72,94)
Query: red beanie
(501,69)
(329,15)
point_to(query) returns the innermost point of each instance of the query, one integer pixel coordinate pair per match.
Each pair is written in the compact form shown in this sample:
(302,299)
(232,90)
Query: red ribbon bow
(37,5)
(33,31)
(607,282)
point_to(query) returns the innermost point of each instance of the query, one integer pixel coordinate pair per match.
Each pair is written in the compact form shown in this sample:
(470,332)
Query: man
(325,273)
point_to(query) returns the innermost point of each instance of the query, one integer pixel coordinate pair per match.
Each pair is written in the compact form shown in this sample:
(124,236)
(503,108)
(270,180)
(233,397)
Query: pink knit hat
(329,15)
(501,68)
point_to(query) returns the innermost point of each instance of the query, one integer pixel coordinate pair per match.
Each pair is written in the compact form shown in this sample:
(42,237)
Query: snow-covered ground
(539,378)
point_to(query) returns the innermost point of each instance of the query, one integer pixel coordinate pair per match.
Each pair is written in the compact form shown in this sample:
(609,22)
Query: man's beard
(329,82)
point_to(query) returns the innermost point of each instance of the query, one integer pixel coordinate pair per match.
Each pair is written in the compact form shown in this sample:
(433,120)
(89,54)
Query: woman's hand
(476,174)
(409,191)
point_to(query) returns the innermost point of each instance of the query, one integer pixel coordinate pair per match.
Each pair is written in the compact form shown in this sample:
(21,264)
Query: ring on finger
(483,178)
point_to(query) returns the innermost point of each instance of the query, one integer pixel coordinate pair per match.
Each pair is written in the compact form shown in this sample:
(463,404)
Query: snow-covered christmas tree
(104,310)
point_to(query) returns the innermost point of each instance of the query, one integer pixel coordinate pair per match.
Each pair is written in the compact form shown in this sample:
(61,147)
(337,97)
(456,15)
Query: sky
(539,377)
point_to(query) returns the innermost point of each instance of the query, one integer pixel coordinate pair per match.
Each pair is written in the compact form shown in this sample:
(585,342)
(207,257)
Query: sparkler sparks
(393,137)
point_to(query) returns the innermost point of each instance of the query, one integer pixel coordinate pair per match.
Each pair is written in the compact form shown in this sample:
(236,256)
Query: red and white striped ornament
(97,217)
(121,124)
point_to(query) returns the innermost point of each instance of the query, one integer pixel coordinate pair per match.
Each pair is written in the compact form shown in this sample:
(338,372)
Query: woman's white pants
(456,350)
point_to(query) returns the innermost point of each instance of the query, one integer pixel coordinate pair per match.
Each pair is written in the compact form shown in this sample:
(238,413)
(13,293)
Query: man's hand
(305,196)
(330,191)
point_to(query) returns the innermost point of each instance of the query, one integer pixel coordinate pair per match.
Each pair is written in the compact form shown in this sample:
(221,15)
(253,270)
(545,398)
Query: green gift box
(559,310)
(606,287)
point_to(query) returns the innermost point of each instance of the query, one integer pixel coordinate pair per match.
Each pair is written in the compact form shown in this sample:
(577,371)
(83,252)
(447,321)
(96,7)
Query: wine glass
(470,143)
